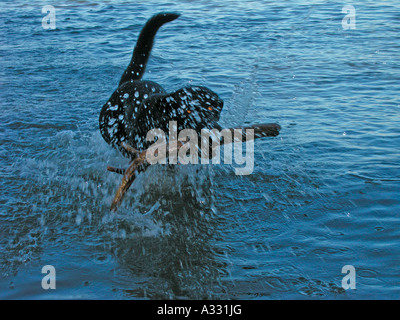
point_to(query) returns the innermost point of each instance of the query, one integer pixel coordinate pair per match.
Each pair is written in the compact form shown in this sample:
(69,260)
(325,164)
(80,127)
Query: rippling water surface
(323,194)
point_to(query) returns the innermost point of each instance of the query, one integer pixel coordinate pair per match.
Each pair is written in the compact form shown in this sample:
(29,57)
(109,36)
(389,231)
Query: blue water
(323,194)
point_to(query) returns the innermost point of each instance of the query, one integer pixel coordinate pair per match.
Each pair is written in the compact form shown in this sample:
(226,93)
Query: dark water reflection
(183,260)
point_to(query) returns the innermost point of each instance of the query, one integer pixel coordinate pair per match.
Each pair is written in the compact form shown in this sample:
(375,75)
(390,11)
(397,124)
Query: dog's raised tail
(144,45)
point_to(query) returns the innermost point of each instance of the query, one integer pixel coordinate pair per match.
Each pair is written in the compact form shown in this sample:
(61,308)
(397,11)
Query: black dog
(138,106)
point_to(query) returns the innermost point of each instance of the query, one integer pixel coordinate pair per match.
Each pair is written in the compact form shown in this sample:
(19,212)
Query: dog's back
(132,91)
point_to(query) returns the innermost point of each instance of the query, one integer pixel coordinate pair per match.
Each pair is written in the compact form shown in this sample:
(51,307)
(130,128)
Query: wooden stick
(139,164)
(116,170)
(131,150)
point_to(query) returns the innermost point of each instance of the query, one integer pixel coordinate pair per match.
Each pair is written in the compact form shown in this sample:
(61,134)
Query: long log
(139,164)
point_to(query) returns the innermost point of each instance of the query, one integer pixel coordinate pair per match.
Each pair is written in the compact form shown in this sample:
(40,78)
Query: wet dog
(137,106)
